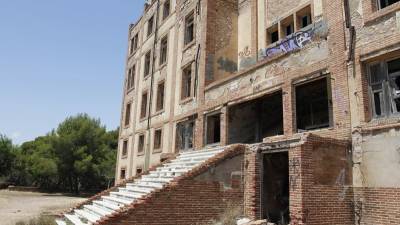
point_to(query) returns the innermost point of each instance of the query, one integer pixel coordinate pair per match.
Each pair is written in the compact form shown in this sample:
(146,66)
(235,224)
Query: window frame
(158,148)
(207,116)
(128,114)
(190,15)
(190,87)
(125,146)
(158,109)
(147,64)
(163,51)
(144,108)
(130,83)
(165,16)
(150,26)
(141,144)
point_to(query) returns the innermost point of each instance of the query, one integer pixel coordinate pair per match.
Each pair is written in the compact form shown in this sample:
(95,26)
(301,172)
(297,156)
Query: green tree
(6,155)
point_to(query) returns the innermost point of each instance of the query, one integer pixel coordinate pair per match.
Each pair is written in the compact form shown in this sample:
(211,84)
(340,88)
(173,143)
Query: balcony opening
(213,128)
(313,105)
(251,121)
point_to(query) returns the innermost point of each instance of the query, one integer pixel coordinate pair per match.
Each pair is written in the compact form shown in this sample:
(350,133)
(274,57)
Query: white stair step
(198,154)
(207,150)
(87,215)
(149,184)
(119,201)
(98,210)
(61,222)
(199,159)
(74,219)
(177,164)
(137,190)
(159,179)
(172,169)
(127,194)
(108,205)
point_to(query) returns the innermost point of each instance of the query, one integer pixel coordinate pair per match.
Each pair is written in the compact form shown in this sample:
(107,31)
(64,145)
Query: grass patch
(41,220)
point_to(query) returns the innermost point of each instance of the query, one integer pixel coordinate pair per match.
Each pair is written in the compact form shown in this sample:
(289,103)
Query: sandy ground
(22,206)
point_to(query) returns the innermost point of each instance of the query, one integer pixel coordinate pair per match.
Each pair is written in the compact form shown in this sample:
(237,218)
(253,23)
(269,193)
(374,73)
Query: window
(125,148)
(385,3)
(166,9)
(128,114)
(143,109)
(134,43)
(157,139)
(141,144)
(186,90)
(122,174)
(163,50)
(139,170)
(160,96)
(131,78)
(150,26)
(273,35)
(147,63)
(189,28)
(384,87)
(184,137)
(313,105)
(304,17)
(213,128)
(287,26)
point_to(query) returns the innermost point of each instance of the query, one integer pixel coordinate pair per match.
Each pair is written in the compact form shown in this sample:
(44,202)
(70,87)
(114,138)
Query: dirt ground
(21,206)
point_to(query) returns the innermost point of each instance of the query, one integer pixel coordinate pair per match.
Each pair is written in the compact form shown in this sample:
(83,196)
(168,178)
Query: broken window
(131,78)
(184,135)
(160,96)
(128,114)
(313,105)
(385,3)
(150,26)
(143,109)
(384,87)
(252,121)
(186,90)
(273,34)
(147,63)
(163,50)
(304,17)
(125,148)
(122,174)
(141,144)
(134,43)
(166,9)
(213,128)
(157,139)
(287,26)
(189,28)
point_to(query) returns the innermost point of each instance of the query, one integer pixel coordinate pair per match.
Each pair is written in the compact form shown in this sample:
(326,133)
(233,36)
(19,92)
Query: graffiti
(295,41)
(246,52)
(227,65)
(294,171)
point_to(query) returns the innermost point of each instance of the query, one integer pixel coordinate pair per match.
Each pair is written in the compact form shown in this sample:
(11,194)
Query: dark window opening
(186,90)
(122,174)
(141,144)
(184,135)
(128,114)
(139,171)
(150,26)
(252,121)
(275,188)
(274,37)
(131,78)
(189,28)
(166,9)
(160,96)
(304,17)
(157,139)
(143,109)
(385,3)
(213,128)
(163,50)
(289,29)
(124,148)
(134,43)
(313,105)
(147,63)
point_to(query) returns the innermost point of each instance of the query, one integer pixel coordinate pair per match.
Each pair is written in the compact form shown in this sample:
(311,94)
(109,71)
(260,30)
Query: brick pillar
(224,126)
(252,185)
(198,133)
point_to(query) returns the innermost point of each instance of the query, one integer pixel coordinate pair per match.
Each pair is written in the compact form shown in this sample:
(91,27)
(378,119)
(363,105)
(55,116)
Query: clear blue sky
(59,58)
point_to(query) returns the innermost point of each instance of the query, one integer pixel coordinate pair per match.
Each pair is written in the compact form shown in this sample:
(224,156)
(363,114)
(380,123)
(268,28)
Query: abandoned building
(288,109)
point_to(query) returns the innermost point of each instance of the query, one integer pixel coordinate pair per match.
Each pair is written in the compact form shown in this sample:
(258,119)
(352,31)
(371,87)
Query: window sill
(147,76)
(189,45)
(140,154)
(143,119)
(160,67)
(127,126)
(124,157)
(381,123)
(133,53)
(157,151)
(186,100)
(381,13)
(159,112)
(130,90)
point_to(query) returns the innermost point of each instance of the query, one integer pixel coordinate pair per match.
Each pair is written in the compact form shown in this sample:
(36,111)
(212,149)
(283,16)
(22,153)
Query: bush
(42,220)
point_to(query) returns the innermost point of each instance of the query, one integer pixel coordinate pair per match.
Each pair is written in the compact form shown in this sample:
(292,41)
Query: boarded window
(128,114)
(184,135)
(160,97)
(313,105)
(141,144)
(143,109)
(189,28)
(213,123)
(166,9)
(186,91)
(163,50)
(147,63)
(157,139)
(125,148)
(150,26)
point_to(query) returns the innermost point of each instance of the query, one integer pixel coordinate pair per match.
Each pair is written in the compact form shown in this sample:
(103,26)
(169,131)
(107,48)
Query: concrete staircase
(109,204)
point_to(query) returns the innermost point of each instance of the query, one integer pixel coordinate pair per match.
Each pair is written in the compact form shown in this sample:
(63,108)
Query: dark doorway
(251,121)
(275,188)
(213,128)
(184,135)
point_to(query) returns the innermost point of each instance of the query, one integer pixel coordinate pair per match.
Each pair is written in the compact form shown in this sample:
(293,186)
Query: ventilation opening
(313,105)
(275,188)
(252,121)
(213,127)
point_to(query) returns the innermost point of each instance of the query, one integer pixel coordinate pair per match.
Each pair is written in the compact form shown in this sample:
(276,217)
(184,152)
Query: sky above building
(59,58)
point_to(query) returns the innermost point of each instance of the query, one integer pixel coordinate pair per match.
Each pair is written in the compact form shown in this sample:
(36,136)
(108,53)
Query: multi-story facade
(220,72)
